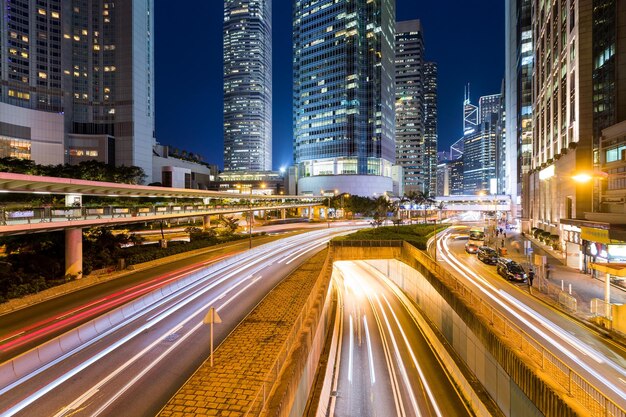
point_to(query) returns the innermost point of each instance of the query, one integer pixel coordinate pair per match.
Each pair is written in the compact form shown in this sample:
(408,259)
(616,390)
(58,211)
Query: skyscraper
(578,91)
(247,85)
(480,156)
(518,84)
(79,83)
(431,135)
(416,109)
(471,116)
(343,103)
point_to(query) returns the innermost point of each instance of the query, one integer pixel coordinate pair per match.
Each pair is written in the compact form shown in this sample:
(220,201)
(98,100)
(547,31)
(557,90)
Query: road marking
(351,350)
(369,351)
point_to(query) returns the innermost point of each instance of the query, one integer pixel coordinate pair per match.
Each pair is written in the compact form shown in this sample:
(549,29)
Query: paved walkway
(584,287)
(244,360)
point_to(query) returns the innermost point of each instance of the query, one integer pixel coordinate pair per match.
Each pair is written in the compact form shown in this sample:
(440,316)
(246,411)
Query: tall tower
(247,85)
(430,122)
(343,103)
(470,114)
(518,100)
(411,145)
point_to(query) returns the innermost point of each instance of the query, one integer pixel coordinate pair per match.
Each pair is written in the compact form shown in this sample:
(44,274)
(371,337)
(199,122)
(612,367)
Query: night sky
(465,38)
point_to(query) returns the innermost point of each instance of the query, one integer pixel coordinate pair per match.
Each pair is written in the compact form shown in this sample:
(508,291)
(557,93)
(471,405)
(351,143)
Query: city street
(387,367)
(599,360)
(134,366)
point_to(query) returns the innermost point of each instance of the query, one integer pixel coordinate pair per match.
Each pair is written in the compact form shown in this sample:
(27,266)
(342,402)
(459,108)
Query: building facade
(431,135)
(247,85)
(518,97)
(343,95)
(579,99)
(416,109)
(79,72)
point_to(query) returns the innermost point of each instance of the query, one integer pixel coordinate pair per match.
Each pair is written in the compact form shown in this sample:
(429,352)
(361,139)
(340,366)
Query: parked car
(487,255)
(471,247)
(511,270)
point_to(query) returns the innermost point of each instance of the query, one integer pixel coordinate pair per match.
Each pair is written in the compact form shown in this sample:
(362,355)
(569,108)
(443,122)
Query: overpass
(73,216)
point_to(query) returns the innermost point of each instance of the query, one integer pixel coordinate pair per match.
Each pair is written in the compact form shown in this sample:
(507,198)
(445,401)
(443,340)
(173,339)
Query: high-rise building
(343,95)
(416,109)
(79,83)
(247,85)
(480,156)
(471,116)
(579,92)
(518,97)
(410,143)
(430,121)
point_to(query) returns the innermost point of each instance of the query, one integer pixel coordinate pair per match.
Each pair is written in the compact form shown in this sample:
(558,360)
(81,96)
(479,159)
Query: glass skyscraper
(247,85)
(343,103)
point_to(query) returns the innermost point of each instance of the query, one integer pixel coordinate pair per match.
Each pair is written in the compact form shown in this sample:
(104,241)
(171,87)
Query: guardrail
(601,308)
(10,217)
(594,401)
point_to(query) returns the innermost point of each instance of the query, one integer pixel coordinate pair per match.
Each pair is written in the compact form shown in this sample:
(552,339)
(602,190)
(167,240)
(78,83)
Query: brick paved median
(244,359)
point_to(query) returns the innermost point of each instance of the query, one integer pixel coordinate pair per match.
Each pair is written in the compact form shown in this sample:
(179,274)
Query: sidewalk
(584,287)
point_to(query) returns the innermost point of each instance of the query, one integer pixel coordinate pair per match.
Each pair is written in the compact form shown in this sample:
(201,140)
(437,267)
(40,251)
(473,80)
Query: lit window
(43,75)
(55,15)
(41,12)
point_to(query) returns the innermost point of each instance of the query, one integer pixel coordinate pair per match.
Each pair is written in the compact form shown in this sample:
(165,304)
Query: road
(24,329)
(134,367)
(599,360)
(387,366)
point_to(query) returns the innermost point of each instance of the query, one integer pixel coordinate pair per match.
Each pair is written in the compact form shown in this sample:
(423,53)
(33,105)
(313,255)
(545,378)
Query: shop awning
(615,269)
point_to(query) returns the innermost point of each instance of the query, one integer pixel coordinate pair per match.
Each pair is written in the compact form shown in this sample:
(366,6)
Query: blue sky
(465,38)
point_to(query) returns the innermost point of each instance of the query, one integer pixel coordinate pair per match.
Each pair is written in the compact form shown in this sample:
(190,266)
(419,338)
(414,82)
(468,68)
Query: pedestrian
(531,276)
(504,233)
(547,272)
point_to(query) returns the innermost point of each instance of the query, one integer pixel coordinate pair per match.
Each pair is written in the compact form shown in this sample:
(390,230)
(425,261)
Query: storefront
(572,245)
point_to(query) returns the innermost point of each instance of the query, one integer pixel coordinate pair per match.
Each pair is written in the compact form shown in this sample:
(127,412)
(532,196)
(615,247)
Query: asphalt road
(599,360)
(133,368)
(387,367)
(24,329)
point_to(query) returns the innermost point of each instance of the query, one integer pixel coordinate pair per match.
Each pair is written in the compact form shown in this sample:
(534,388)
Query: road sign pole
(211,318)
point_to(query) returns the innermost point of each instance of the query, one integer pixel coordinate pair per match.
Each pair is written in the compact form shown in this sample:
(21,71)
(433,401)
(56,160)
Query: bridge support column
(74,252)
(283,214)
(206,222)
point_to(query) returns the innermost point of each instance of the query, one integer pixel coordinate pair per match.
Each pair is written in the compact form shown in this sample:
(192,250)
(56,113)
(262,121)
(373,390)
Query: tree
(230,224)
(382,207)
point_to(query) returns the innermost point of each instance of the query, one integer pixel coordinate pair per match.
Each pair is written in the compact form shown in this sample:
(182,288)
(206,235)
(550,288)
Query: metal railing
(574,384)
(29,215)
(601,308)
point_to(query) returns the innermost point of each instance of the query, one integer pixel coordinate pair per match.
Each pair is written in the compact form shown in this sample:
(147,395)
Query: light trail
(282,250)
(519,309)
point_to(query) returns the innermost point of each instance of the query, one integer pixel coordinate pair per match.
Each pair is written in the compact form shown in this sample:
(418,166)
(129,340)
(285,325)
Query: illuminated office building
(247,85)
(518,97)
(416,109)
(74,86)
(579,101)
(343,95)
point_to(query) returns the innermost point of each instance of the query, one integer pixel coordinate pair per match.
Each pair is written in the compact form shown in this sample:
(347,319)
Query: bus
(476,239)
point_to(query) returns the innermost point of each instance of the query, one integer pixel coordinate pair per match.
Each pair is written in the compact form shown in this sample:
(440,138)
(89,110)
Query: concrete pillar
(206,222)
(74,252)
(283,214)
